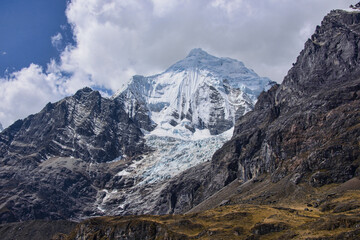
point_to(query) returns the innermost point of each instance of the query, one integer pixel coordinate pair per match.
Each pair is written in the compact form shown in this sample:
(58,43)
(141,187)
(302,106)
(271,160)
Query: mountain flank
(53,162)
(305,131)
(337,218)
(87,155)
(290,171)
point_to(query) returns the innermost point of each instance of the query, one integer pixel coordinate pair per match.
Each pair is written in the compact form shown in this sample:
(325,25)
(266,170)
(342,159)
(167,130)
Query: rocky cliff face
(87,155)
(306,129)
(53,162)
(84,126)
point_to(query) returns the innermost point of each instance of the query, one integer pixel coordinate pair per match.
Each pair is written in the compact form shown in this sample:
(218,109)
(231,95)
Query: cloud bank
(116,39)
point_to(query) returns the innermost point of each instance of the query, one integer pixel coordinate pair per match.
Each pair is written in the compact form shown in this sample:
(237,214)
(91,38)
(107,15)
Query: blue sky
(116,39)
(26,30)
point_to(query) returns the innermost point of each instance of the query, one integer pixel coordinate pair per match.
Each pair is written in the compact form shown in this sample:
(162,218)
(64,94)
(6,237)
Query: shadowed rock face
(36,229)
(84,126)
(53,162)
(307,128)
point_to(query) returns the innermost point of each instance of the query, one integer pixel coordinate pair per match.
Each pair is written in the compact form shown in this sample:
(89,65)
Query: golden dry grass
(336,216)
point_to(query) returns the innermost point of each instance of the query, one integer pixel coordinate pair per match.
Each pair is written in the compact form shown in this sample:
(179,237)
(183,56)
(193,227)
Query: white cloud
(56,41)
(116,39)
(163,7)
(234,6)
(26,92)
(119,38)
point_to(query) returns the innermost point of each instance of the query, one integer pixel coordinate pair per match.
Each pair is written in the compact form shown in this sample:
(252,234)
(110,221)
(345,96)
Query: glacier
(143,179)
(186,113)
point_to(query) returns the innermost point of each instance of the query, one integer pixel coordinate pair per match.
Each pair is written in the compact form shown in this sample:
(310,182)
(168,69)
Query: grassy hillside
(330,212)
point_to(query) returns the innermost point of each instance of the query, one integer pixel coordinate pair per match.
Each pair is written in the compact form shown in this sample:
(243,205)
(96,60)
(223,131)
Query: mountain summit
(200,92)
(197,52)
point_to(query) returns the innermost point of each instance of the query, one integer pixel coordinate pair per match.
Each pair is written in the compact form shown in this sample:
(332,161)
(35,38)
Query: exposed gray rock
(84,126)
(308,127)
(357,6)
(53,162)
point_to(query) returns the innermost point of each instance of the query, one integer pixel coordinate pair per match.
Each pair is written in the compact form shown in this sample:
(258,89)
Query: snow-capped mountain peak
(197,52)
(198,93)
(198,58)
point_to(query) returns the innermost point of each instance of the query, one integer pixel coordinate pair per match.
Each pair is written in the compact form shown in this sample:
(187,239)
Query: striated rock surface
(84,126)
(306,129)
(53,162)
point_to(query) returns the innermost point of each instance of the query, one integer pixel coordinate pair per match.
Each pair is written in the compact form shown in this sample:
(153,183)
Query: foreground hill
(337,217)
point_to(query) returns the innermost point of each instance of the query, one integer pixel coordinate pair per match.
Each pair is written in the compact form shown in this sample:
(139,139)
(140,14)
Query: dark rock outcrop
(127,229)
(84,126)
(36,230)
(308,128)
(265,228)
(53,162)
(357,6)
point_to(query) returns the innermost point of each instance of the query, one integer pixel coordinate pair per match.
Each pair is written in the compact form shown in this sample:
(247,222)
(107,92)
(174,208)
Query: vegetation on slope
(329,212)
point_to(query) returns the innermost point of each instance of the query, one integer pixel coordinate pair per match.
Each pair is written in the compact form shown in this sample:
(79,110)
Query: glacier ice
(187,113)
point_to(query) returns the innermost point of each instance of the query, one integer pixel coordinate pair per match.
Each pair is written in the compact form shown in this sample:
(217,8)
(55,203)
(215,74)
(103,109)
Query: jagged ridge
(53,162)
(306,129)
